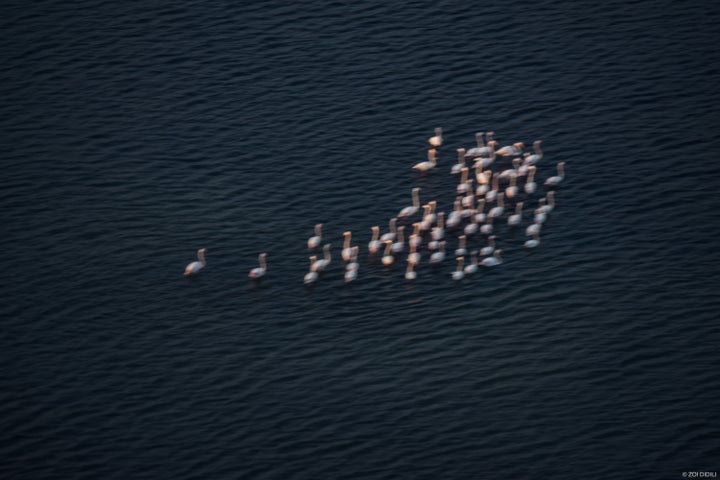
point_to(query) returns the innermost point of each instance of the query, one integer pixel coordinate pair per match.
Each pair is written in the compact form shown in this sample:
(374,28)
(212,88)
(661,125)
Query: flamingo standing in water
(314,241)
(193,268)
(374,244)
(347,250)
(410,211)
(460,162)
(511,150)
(459,273)
(530,185)
(516,218)
(259,272)
(496,259)
(555,180)
(429,164)
(437,139)
(532,159)
(473,266)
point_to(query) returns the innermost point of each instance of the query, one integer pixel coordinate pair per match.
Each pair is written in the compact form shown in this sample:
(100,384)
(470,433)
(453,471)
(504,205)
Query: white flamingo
(480,214)
(387,258)
(484,162)
(555,180)
(463,185)
(410,211)
(399,245)
(530,185)
(437,139)
(439,256)
(413,256)
(374,244)
(532,229)
(512,189)
(353,263)
(438,231)
(347,250)
(485,251)
(392,233)
(516,218)
(491,195)
(460,162)
(473,266)
(455,216)
(472,227)
(459,273)
(410,273)
(487,228)
(429,164)
(322,264)
(511,150)
(499,209)
(533,242)
(312,275)
(481,150)
(532,159)
(461,250)
(415,239)
(193,268)
(314,241)
(496,259)
(550,205)
(259,272)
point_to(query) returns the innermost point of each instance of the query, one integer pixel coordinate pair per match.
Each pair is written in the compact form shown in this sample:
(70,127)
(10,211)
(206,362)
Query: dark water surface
(134,134)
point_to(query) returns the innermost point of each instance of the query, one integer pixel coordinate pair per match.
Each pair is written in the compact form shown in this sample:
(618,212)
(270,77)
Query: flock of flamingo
(492,182)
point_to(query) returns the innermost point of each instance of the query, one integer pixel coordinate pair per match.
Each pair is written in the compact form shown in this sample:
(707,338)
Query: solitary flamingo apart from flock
(496,259)
(193,268)
(314,241)
(459,273)
(259,272)
(555,180)
(437,139)
(429,164)
(410,211)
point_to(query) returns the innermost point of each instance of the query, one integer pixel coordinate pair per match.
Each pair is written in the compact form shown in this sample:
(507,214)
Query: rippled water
(134,135)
